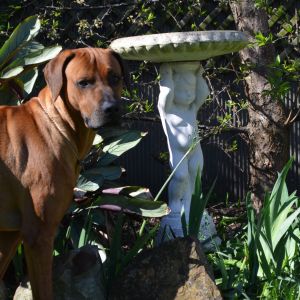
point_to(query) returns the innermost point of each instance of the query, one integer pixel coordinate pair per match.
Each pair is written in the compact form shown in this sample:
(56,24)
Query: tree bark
(268,135)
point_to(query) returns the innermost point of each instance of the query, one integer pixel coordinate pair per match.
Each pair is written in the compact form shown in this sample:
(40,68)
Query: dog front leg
(39,262)
(8,244)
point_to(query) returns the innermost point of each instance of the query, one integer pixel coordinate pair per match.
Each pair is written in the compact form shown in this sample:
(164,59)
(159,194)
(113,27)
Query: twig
(90,7)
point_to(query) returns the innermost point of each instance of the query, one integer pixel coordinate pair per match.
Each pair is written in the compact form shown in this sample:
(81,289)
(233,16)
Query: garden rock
(177,269)
(77,276)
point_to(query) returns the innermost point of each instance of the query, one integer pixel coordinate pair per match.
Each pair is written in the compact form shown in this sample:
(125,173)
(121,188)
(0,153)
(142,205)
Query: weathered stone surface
(23,291)
(77,276)
(177,269)
(180,46)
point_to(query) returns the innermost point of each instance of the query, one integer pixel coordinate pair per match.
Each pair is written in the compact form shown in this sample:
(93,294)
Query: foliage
(19,58)
(99,219)
(198,204)
(274,237)
(263,261)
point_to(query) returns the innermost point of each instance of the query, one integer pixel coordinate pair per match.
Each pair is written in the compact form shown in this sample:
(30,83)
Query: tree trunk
(268,136)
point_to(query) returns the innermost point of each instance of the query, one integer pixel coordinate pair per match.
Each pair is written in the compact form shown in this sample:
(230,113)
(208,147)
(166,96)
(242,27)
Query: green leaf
(251,240)
(139,244)
(277,224)
(286,225)
(280,253)
(86,230)
(24,32)
(92,179)
(98,140)
(41,55)
(196,208)
(279,191)
(115,249)
(97,175)
(265,255)
(132,191)
(119,146)
(111,132)
(8,73)
(87,185)
(145,208)
(32,58)
(184,224)
(29,47)
(28,77)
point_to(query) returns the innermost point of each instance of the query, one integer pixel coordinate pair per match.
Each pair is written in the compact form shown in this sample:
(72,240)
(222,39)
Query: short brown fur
(41,143)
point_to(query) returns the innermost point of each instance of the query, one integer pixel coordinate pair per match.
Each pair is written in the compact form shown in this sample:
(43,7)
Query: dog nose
(111,107)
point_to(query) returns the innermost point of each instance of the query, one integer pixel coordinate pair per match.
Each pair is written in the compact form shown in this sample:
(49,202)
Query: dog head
(91,81)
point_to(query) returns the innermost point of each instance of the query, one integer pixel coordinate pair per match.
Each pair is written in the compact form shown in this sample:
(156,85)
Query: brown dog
(41,143)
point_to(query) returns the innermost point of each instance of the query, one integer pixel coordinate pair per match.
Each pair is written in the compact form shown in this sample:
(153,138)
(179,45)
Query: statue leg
(178,186)
(195,163)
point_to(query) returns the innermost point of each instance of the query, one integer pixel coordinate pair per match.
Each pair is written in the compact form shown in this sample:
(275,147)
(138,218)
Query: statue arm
(166,94)
(202,90)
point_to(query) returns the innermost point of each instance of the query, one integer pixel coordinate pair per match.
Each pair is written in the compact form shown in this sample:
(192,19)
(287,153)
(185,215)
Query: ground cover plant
(262,260)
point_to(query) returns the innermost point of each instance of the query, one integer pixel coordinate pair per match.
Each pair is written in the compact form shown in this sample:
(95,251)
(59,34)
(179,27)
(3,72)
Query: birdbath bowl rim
(180,46)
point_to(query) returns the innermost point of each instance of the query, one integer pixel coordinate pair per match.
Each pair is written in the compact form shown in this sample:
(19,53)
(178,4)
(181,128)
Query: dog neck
(68,122)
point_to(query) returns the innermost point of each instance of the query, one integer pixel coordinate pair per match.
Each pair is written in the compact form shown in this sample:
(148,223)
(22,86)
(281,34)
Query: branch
(292,119)
(90,7)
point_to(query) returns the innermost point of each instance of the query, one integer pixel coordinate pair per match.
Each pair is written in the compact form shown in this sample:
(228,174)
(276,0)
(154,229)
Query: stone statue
(182,91)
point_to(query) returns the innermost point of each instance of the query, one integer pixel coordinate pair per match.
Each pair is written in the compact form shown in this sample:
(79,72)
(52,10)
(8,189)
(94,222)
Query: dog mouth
(101,123)
(107,115)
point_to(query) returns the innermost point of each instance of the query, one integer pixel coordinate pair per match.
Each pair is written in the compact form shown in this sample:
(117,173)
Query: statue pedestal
(207,232)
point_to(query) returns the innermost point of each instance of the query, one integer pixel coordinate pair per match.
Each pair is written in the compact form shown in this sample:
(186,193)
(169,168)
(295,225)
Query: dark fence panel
(230,167)
(142,164)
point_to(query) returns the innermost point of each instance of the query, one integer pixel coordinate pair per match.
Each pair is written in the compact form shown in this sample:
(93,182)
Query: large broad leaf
(28,78)
(24,32)
(132,191)
(98,140)
(120,145)
(29,47)
(107,173)
(9,73)
(111,132)
(145,208)
(87,185)
(41,55)
(33,58)
(92,179)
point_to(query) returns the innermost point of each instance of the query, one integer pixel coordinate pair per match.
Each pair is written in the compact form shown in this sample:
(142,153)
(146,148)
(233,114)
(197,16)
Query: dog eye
(84,83)
(114,79)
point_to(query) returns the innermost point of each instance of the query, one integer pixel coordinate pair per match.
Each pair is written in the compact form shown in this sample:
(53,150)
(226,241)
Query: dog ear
(54,72)
(124,68)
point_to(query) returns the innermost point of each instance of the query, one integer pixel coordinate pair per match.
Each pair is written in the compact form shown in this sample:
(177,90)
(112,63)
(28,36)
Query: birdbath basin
(182,91)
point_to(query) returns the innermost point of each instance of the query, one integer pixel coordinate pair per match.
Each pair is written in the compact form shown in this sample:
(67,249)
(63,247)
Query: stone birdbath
(182,91)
